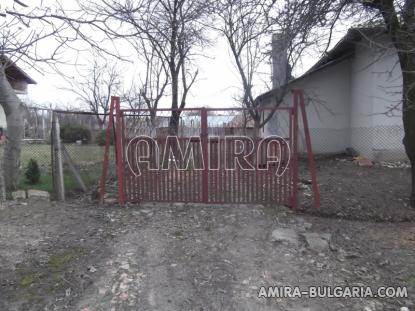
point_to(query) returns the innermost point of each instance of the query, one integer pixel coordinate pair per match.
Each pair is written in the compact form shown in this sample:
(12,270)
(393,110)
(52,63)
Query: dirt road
(189,257)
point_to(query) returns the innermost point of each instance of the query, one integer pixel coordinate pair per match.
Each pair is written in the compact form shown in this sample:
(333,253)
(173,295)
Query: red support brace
(311,163)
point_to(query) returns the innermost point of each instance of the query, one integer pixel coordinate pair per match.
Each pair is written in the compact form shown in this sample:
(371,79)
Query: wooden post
(58,184)
(43,125)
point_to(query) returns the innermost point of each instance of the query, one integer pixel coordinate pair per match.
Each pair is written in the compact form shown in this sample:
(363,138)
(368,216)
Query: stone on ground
(38,194)
(284,235)
(19,195)
(318,242)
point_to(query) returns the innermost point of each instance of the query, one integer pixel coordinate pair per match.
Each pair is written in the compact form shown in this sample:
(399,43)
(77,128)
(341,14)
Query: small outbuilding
(353,97)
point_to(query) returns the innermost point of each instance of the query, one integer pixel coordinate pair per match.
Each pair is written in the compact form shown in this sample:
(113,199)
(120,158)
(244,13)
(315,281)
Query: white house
(353,97)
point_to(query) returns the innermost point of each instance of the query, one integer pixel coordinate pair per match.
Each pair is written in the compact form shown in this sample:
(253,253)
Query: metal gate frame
(291,185)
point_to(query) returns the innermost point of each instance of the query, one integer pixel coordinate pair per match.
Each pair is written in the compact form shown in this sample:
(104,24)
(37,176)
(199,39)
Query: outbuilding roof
(342,50)
(15,72)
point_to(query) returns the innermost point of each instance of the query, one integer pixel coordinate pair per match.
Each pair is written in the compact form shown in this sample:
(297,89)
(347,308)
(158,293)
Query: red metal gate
(216,156)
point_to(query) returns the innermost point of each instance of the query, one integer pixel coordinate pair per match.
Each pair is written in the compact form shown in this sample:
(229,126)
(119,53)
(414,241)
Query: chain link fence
(381,142)
(81,136)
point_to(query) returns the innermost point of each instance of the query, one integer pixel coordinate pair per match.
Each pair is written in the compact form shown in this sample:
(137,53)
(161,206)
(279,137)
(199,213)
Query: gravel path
(193,257)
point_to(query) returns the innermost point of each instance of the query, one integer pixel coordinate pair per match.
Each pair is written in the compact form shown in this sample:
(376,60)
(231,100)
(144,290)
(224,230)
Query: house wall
(361,101)
(348,105)
(327,105)
(376,80)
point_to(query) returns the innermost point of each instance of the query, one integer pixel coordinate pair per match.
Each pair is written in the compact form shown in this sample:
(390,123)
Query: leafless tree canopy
(95,87)
(248,26)
(167,33)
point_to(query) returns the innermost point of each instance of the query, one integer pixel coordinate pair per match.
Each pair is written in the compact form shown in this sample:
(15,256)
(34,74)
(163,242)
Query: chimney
(279,60)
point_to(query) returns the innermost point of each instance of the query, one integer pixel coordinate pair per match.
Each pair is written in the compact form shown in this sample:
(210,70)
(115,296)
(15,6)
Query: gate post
(119,152)
(204,142)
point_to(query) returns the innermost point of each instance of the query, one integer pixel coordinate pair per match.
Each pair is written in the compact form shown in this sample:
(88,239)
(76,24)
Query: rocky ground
(371,193)
(77,256)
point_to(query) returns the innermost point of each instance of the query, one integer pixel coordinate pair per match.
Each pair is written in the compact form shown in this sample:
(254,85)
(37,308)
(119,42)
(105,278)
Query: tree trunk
(175,115)
(412,199)
(14,118)
(256,128)
(256,138)
(408,118)
(174,123)
(2,185)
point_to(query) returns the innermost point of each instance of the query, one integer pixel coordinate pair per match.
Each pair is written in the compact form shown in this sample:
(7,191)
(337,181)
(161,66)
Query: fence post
(204,142)
(57,167)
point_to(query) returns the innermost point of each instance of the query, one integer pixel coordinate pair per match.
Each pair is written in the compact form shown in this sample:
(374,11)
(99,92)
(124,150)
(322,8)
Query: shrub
(32,172)
(70,133)
(100,139)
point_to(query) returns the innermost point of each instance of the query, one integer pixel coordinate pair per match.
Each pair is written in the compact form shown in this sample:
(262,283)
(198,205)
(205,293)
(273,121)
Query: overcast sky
(217,84)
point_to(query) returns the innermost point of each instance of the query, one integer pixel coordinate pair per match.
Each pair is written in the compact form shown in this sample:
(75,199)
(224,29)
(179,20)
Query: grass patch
(31,278)
(45,183)
(49,278)
(87,157)
(32,297)
(58,262)
(90,176)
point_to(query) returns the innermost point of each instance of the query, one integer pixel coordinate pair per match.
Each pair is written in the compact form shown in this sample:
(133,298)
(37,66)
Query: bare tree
(23,27)
(248,25)
(244,25)
(148,93)
(153,86)
(95,87)
(18,41)
(173,29)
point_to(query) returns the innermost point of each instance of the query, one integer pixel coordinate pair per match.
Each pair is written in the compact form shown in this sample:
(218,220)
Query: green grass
(90,176)
(88,158)
(40,280)
(31,278)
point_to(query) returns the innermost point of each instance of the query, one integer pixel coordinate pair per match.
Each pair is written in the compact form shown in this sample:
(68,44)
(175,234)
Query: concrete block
(38,194)
(19,195)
